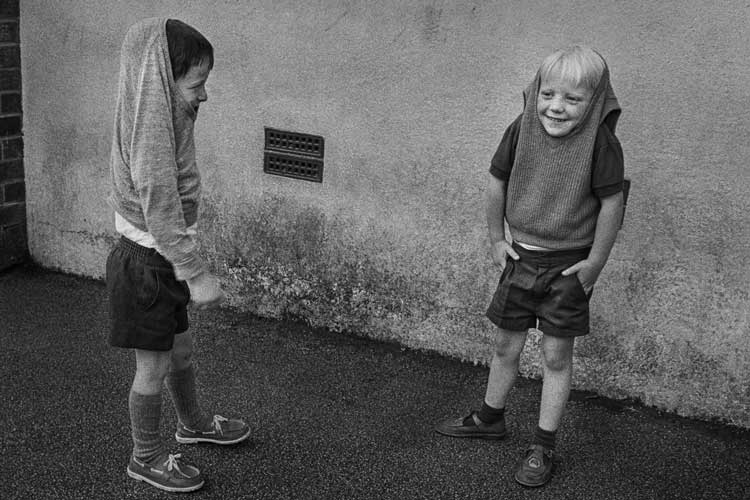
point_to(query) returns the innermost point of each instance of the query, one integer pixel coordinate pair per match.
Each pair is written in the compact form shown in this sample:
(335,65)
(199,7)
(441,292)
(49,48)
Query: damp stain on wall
(281,260)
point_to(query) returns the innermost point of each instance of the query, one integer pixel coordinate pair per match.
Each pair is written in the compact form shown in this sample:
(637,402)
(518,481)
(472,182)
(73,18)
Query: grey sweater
(550,202)
(155,179)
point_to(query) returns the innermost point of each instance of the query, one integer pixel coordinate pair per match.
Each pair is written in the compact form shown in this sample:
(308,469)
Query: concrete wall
(412,99)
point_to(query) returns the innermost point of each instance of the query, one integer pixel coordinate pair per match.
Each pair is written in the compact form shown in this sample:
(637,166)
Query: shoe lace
(172,463)
(218,419)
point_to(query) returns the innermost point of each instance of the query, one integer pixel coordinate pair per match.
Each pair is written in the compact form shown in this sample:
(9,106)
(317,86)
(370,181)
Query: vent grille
(303,144)
(295,155)
(297,167)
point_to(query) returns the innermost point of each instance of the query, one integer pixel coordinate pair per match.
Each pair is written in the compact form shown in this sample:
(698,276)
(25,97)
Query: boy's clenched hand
(501,250)
(205,291)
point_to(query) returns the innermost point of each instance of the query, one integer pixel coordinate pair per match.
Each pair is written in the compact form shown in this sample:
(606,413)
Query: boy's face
(561,106)
(193,85)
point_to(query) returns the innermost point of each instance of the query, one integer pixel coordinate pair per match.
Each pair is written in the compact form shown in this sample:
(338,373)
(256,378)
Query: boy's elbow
(612,202)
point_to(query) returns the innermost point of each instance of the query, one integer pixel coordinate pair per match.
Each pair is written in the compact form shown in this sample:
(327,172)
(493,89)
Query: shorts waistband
(551,257)
(142,253)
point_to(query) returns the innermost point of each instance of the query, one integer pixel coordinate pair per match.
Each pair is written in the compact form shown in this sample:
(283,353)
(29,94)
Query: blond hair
(578,65)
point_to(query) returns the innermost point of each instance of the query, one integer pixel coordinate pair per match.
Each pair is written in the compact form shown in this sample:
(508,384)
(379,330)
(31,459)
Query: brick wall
(13,247)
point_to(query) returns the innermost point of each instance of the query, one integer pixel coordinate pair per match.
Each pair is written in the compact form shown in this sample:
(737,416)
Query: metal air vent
(292,154)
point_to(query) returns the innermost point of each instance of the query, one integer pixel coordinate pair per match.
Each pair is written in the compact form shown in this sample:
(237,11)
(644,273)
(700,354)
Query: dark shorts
(533,289)
(147,305)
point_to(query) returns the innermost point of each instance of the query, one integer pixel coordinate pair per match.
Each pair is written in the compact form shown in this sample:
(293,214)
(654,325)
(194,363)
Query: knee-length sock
(145,417)
(181,386)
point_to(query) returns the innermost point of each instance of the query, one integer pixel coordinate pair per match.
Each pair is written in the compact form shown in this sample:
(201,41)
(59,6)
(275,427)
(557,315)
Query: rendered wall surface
(412,99)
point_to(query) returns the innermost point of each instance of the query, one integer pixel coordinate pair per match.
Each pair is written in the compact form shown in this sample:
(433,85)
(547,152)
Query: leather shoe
(536,468)
(472,427)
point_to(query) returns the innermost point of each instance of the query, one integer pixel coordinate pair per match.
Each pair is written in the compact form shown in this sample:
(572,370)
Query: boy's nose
(556,105)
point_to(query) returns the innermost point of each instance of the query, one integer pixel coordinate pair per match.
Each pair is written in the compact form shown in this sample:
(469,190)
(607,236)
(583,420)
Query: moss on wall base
(281,260)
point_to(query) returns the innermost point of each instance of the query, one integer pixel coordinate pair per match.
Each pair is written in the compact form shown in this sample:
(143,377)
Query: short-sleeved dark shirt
(608,167)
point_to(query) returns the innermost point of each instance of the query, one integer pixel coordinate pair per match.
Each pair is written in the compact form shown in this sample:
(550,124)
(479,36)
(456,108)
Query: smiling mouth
(556,120)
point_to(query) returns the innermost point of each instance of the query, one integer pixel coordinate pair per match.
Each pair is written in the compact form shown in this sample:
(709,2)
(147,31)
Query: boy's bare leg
(558,371)
(536,467)
(489,421)
(150,369)
(151,461)
(144,403)
(195,425)
(182,385)
(182,351)
(504,366)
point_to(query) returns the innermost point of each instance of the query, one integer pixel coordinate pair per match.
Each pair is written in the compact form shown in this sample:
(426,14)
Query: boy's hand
(501,250)
(587,271)
(205,291)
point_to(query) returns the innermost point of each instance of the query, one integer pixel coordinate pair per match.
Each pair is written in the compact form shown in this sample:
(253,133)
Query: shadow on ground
(335,417)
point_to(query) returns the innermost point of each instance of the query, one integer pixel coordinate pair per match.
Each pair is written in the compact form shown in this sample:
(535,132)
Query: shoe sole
(476,435)
(186,440)
(171,489)
(531,485)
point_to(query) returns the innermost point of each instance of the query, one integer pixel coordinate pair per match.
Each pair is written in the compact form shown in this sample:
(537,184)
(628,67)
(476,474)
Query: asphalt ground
(334,416)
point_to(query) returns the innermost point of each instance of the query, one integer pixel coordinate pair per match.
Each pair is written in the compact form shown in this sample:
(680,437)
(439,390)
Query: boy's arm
(500,247)
(500,169)
(607,225)
(146,117)
(154,175)
(153,167)
(165,220)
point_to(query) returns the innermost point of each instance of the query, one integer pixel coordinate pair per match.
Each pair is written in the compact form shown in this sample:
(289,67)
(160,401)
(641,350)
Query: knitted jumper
(550,202)
(155,179)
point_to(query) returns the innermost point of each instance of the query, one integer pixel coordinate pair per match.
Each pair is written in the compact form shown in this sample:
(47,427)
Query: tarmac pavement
(334,416)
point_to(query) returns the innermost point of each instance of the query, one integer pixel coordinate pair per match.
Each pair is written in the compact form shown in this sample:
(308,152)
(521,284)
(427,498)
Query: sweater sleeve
(153,170)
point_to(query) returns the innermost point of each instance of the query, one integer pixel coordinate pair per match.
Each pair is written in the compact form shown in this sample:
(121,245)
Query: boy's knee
(558,359)
(153,372)
(509,343)
(182,357)
(557,363)
(182,351)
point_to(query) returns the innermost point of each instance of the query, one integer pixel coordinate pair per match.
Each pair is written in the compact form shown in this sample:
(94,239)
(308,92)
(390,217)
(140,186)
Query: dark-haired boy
(155,269)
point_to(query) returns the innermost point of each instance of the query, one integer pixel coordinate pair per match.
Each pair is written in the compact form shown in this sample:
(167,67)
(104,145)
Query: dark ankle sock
(490,415)
(545,438)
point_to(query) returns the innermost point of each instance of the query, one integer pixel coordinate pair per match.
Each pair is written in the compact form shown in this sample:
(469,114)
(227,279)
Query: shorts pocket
(507,270)
(148,291)
(582,289)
